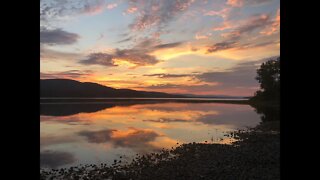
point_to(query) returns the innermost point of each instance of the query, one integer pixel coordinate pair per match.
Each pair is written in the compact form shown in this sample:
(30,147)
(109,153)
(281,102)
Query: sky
(203,47)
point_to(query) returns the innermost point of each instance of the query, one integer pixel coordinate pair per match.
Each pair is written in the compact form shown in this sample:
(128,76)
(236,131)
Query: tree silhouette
(268,75)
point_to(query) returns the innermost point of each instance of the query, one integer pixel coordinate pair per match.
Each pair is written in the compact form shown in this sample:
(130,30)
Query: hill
(57,88)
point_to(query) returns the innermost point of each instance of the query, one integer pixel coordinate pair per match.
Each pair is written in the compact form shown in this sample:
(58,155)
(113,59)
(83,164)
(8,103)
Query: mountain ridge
(55,88)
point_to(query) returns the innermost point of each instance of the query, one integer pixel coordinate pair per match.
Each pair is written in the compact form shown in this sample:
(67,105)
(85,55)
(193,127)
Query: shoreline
(256,155)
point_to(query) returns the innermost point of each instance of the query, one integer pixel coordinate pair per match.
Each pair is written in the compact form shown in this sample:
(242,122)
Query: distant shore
(143,100)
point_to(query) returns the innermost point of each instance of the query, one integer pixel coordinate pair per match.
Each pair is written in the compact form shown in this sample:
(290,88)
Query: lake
(100,132)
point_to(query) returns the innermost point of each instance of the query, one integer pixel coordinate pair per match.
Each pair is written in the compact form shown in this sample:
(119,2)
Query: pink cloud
(131,10)
(275,26)
(94,10)
(154,14)
(99,8)
(225,25)
(224,13)
(253,23)
(111,6)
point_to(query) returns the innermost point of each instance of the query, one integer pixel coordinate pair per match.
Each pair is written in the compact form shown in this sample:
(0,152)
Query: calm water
(76,133)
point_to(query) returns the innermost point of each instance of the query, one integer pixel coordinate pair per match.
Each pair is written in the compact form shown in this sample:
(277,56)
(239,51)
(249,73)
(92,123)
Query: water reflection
(270,117)
(100,133)
(54,159)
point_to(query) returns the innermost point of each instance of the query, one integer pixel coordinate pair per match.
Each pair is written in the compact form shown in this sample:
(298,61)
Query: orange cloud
(235,3)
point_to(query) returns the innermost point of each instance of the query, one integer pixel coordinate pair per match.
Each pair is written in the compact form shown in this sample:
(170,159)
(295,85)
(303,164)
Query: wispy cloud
(135,57)
(221,46)
(71,74)
(57,37)
(274,27)
(52,10)
(241,3)
(47,53)
(163,75)
(111,6)
(233,37)
(253,23)
(139,54)
(224,13)
(125,40)
(156,14)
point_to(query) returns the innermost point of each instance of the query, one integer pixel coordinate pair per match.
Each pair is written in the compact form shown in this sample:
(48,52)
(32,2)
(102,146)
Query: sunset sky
(205,47)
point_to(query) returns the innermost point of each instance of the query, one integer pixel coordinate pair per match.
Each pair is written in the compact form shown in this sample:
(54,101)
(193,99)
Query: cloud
(104,59)
(241,3)
(111,6)
(201,89)
(61,9)
(131,10)
(139,139)
(136,57)
(221,46)
(57,37)
(139,54)
(166,86)
(262,44)
(225,25)
(235,45)
(54,159)
(274,27)
(166,120)
(163,75)
(71,74)
(47,53)
(92,9)
(238,80)
(125,40)
(147,44)
(255,22)
(232,38)
(97,136)
(235,3)
(168,45)
(135,138)
(155,14)
(242,75)
(224,13)
(199,36)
